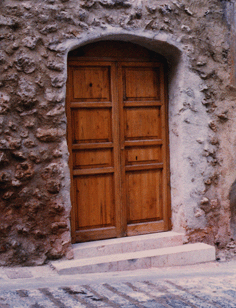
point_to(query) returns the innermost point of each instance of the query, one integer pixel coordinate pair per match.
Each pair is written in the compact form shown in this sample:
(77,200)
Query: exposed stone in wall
(34,178)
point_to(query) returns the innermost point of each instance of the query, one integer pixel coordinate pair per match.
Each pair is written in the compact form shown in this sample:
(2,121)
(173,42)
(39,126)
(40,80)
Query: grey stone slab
(168,256)
(127,244)
(18,273)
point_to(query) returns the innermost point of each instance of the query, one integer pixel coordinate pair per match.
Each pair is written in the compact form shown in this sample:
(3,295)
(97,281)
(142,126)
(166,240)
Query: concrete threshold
(127,244)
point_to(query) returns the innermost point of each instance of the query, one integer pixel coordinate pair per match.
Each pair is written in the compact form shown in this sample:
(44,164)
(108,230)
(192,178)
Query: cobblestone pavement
(150,289)
(194,292)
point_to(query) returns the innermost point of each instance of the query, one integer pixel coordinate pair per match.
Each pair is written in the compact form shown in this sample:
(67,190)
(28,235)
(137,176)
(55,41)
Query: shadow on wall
(232,198)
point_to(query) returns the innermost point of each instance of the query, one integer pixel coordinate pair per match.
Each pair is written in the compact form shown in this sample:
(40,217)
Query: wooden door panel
(135,155)
(91,83)
(144,147)
(91,125)
(144,196)
(95,201)
(92,158)
(142,123)
(141,83)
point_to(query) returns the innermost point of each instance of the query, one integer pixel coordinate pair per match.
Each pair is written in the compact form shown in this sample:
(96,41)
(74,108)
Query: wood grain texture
(144,196)
(140,154)
(92,158)
(135,78)
(94,195)
(91,83)
(91,125)
(142,123)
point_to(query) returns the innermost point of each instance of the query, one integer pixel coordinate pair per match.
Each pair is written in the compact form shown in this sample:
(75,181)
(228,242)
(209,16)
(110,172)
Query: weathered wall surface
(35,38)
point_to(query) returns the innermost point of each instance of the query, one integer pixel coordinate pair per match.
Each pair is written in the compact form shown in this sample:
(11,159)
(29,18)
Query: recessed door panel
(94,197)
(92,158)
(142,123)
(144,196)
(136,77)
(140,155)
(91,125)
(91,83)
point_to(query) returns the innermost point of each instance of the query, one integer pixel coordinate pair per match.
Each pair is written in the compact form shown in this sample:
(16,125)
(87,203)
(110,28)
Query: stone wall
(196,37)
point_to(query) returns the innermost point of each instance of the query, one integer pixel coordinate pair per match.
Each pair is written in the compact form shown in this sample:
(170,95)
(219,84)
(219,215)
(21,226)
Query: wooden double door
(117,136)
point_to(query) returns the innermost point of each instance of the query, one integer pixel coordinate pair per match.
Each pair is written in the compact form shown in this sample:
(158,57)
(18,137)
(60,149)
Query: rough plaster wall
(35,38)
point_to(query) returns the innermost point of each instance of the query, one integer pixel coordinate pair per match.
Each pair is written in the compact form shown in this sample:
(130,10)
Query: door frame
(165,131)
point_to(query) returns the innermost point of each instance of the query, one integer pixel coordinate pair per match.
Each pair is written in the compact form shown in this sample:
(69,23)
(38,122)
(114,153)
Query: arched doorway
(118,141)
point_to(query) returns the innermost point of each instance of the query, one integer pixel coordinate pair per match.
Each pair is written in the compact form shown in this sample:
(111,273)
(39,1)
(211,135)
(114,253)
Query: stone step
(127,244)
(171,256)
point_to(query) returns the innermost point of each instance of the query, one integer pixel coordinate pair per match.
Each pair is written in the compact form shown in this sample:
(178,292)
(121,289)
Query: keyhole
(136,157)
(90,84)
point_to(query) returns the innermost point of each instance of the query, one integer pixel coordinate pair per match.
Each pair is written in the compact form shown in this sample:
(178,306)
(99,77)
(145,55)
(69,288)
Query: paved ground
(207,285)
